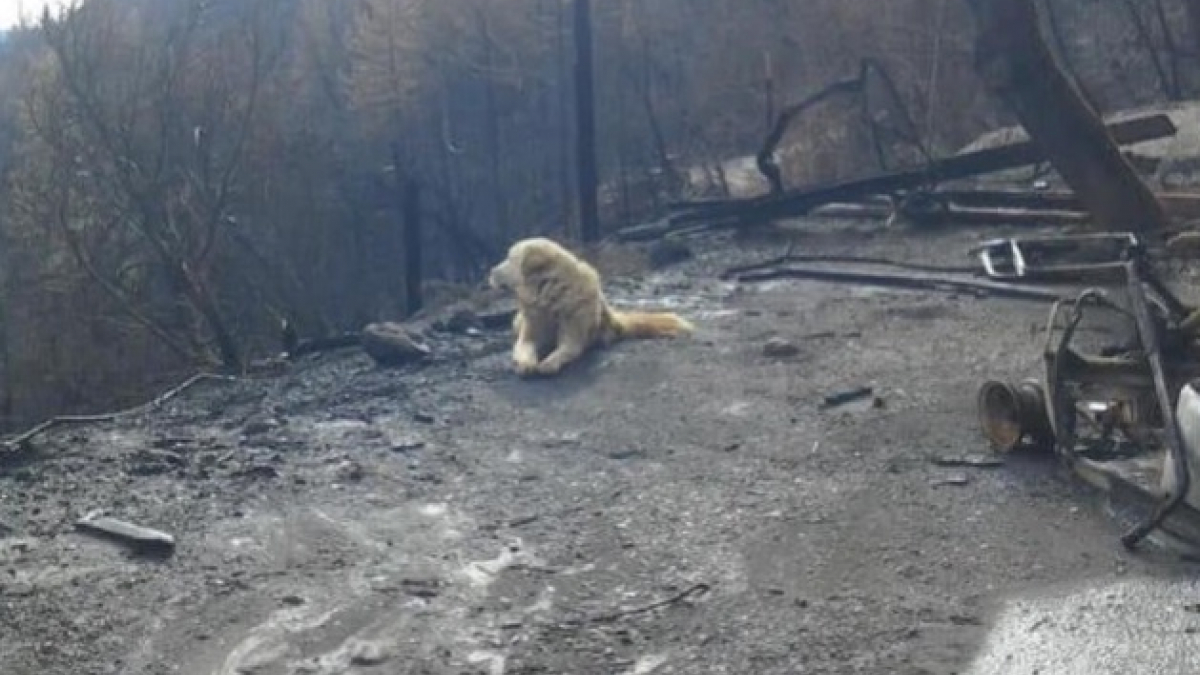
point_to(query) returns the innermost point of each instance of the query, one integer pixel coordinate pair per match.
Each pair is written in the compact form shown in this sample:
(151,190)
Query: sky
(12,10)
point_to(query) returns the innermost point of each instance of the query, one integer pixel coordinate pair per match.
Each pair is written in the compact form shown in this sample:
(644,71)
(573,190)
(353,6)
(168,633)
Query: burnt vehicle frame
(1110,415)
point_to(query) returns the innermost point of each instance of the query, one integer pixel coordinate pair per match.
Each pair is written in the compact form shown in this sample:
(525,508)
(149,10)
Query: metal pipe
(1148,332)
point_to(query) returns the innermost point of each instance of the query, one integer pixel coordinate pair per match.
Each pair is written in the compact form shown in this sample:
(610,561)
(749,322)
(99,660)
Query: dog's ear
(534,261)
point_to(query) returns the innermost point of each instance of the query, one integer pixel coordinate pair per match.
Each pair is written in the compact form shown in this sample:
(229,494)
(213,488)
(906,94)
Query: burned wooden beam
(734,212)
(800,202)
(1017,66)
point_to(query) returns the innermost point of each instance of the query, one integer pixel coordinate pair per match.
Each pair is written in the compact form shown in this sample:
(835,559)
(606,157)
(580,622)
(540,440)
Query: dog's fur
(561,310)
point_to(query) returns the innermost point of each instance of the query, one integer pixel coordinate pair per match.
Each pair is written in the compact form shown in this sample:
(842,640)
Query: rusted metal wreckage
(1122,414)
(1118,398)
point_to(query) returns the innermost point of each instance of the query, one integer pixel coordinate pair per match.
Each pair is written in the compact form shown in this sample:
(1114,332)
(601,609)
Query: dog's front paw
(548,367)
(525,367)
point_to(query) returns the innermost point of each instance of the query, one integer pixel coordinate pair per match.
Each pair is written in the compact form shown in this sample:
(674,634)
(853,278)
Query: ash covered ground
(665,507)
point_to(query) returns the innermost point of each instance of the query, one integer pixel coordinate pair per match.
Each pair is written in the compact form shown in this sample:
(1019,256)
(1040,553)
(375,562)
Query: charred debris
(1124,417)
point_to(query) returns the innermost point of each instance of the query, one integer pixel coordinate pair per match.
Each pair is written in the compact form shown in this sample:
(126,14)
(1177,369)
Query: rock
(667,252)
(260,426)
(13,549)
(152,462)
(350,471)
(461,321)
(407,444)
(955,478)
(779,348)
(500,319)
(258,471)
(568,439)
(425,589)
(367,654)
(391,344)
(17,589)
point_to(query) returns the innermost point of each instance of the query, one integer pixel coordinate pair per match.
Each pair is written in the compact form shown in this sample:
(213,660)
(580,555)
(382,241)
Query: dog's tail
(648,324)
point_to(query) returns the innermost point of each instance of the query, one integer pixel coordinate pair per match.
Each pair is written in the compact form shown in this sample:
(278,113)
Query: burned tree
(140,120)
(585,120)
(1019,68)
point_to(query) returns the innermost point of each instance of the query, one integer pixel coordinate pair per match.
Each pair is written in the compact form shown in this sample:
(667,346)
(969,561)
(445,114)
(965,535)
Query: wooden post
(1019,68)
(585,123)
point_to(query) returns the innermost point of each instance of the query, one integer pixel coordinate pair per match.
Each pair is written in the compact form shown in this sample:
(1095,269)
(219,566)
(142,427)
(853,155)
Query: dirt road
(668,507)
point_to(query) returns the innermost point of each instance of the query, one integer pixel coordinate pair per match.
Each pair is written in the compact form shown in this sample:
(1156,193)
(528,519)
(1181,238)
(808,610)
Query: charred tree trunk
(1018,67)
(409,206)
(562,79)
(413,263)
(1193,15)
(585,115)
(494,142)
(205,302)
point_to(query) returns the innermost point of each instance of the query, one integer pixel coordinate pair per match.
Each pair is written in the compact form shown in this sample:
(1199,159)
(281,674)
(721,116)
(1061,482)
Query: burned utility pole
(1018,67)
(585,124)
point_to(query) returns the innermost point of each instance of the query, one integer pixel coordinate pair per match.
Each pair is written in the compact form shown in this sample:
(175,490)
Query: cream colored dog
(561,310)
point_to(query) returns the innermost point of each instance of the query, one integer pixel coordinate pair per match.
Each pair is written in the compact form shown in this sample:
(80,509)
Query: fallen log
(800,202)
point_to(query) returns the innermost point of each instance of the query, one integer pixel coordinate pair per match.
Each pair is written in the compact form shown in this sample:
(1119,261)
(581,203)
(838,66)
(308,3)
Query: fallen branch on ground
(696,589)
(15,442)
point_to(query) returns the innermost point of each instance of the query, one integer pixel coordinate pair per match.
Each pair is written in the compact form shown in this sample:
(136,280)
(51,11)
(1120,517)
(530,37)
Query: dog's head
(526,259)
